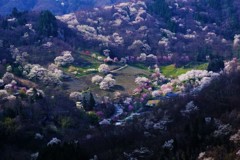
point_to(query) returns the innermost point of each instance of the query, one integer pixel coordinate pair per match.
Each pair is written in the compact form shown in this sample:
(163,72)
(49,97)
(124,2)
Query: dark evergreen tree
(160,7)
(84,103)
(91,101)
(21,21)
(15,13)
(47,25)
(4,24)
(215,64)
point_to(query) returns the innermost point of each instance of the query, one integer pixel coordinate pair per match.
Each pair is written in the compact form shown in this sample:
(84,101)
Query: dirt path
(119,69)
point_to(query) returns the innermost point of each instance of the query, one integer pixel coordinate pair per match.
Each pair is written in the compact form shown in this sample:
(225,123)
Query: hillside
(182,32)
(191,31)
(143,80)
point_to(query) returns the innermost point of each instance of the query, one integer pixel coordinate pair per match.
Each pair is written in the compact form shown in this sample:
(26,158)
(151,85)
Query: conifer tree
(47,25)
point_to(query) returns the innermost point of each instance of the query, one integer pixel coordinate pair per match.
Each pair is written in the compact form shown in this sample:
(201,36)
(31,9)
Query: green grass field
(87,62)
(172,71)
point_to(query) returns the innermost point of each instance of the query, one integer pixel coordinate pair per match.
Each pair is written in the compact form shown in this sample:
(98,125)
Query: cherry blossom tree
(97,79)
(65,59)
(103,68)
(107,83)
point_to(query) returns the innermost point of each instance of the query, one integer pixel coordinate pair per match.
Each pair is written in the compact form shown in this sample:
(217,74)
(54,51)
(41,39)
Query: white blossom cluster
(193,74)
(53,141)
(90,33)
(47,44)
(107,83)
(52,75)
(123,60)
(65,59)
(96,28)
(76,96)
(136,44)
(156,93)
(140,17)
(204,156)
(97,79)
(117,23)
(192,81)
(168,144)
(151,57)
(103,68)
(104,83)
(163,42)
(34,156)
(236,41)
(142,57)
(232,66)
(6,95)
(166,88)
(189,108)
(7,78)
(236,137)
(139,44)
(53,71)
(32,92)
(190,36)
(30,27)
(210,37)
(79,105)
(87,30)
(196,80)
(3,94)
(11,87)
(118,39)
(161,125)
(70,19)
(38,136)
(20,57)
(222,130)
(128,101)
(142,81)
(142,28)
(137,12)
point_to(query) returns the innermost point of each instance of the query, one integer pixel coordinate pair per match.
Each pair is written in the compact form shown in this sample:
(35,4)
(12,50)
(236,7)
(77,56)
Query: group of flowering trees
(191,81)
(52,75)
(104,83)
(115,28)
(104,68)
(65,59)
(11,88)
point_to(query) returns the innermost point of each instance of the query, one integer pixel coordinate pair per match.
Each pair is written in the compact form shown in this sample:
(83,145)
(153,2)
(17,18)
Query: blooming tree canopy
(97,79)
(103,68)
(65,59)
